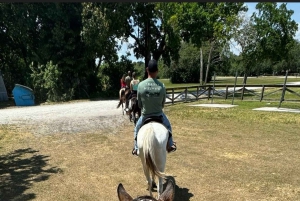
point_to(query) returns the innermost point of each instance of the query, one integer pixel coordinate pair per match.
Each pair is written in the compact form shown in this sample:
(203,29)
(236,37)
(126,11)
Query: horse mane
(150,137)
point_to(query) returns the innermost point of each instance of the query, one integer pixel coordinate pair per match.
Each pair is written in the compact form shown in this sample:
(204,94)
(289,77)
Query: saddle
(158,119)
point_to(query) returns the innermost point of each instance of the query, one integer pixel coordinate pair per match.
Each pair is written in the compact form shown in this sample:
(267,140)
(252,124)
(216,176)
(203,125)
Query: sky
(235,49)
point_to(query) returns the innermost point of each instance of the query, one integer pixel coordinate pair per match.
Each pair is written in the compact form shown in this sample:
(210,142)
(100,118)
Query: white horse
(167,195)
(152,141)
(122,98)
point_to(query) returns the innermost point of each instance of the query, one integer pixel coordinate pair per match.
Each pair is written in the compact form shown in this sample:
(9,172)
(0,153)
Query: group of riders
(129,86)
(149,96)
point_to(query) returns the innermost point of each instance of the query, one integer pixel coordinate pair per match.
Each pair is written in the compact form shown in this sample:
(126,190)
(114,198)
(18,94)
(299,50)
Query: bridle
(145,198)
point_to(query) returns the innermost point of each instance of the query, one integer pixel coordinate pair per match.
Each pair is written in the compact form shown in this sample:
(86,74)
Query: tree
(103,23)
(246,37)
(70,35)
(18,36)
(275,31)
(59,41)
(154,37)
(200,22)
(293,64)
(186,70)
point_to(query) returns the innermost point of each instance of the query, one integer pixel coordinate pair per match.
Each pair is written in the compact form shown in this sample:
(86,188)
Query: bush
(48,83)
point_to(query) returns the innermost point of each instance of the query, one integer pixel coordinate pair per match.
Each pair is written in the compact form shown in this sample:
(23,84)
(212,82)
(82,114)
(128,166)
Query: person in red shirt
(123,83)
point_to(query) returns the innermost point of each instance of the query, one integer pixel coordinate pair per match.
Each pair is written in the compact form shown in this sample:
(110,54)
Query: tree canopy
(53,47)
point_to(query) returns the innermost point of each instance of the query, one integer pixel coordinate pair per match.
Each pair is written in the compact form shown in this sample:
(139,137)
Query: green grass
(249,105)
(168,83)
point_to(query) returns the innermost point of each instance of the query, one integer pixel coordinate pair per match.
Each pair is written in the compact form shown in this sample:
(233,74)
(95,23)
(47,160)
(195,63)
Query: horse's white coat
(152,138)
(121,99)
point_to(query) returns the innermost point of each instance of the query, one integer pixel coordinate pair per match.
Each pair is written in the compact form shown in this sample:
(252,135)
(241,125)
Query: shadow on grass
(181,194)
(19,170)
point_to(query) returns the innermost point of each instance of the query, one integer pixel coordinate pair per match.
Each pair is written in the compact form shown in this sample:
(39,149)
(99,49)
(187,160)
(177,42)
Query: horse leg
(135,109)
(159,187)
(149,181)
(153,182)
(161,166)
(120,98)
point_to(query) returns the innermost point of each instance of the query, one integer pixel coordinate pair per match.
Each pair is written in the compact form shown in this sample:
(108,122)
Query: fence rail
(253,91)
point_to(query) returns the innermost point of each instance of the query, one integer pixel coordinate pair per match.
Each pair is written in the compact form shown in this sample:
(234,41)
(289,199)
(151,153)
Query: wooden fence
(255,92)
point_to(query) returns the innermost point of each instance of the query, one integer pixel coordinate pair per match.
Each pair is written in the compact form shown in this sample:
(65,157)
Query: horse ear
(169,192)
(122,194)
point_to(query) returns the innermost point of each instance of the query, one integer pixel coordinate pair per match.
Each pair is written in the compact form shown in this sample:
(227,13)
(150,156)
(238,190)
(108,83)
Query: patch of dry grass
(223,154)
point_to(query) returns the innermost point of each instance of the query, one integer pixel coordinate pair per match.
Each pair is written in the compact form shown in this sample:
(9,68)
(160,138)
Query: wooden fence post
(208,92)
(243,90)
(283,88)
(173,96)
(226,92)
(262,93)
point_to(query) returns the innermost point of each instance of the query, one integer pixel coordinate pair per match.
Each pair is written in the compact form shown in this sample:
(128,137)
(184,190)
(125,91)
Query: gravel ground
(72,117)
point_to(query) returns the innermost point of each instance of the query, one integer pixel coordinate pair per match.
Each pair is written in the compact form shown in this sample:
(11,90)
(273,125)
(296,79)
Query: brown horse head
(167,195)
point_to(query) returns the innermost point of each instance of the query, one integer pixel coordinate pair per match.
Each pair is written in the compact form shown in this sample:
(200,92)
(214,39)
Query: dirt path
(66,118)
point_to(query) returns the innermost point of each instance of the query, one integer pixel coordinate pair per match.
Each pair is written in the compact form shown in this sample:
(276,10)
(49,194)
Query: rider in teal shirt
(151,95)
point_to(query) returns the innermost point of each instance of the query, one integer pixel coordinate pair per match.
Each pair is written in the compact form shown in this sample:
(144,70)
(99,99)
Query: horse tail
(149,155)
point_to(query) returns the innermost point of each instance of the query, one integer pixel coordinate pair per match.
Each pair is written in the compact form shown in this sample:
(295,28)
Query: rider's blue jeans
(166,122)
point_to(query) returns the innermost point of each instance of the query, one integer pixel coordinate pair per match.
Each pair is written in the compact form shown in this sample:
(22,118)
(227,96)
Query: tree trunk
(201,67)
(147,47)
(159,51)
(208,60)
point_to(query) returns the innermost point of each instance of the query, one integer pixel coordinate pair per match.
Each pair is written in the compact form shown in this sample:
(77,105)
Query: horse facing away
(167,195)
(122,98)
(152,141)
(134,110)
